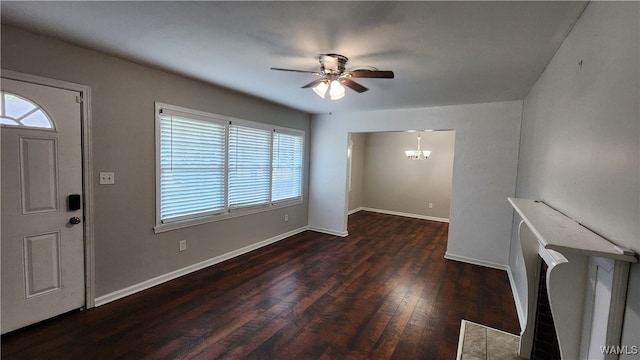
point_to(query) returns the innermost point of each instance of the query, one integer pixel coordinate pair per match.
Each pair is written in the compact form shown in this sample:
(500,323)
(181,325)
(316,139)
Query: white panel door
(42,237)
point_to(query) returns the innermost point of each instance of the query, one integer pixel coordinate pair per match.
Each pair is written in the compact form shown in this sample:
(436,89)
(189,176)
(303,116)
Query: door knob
(75,220)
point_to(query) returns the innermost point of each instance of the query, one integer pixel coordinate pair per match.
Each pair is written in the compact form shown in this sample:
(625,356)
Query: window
(211,167)
(20,112)
(192,164)
(286,166)
(249,166)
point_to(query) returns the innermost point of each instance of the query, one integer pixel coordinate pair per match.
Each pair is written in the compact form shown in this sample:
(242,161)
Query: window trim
(226,213)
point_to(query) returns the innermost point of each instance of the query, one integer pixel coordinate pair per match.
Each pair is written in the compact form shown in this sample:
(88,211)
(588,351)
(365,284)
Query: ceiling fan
(333,75)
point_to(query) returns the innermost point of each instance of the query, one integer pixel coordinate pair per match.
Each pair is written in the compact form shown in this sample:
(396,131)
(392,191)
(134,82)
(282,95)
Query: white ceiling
(441,52)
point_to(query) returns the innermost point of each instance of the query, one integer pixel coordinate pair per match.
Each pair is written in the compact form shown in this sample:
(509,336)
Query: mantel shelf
(559,232)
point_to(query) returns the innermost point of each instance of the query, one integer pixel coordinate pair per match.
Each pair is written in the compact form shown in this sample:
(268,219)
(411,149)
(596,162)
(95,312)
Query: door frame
(87,169)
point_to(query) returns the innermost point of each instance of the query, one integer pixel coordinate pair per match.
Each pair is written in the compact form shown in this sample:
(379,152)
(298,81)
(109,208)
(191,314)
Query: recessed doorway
(382,178)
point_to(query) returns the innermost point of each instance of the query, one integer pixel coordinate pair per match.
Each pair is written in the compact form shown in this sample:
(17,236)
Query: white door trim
(87,169)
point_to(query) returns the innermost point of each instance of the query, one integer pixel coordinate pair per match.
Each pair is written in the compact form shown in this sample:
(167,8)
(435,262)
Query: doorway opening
(382,178)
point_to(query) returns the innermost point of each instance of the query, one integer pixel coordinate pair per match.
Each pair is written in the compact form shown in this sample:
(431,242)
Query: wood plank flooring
(383,292)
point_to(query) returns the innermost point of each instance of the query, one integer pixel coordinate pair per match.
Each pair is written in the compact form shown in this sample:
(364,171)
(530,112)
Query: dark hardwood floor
(385,291)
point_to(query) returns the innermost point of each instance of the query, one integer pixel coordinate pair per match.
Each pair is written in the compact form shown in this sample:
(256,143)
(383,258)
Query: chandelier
(418,154)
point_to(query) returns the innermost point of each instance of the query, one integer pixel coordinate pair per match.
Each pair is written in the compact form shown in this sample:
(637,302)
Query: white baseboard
(522,319)
(469,260)
(328,231)
(119,294)
(398,213)
(354,210)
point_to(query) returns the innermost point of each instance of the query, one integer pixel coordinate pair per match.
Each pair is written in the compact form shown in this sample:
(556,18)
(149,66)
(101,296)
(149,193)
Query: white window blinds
(192,166)
(249,166)
(211,167)
(287,166)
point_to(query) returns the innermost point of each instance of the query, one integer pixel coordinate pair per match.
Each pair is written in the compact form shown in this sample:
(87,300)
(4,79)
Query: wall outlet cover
(107,178)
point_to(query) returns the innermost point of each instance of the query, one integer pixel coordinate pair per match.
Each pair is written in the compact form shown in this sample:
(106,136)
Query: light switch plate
(107,178)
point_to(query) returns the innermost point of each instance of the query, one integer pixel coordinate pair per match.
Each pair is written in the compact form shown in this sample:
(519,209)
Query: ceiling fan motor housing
(333,64)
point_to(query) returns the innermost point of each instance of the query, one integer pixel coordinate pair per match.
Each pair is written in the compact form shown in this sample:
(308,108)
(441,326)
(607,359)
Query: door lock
(75,220)
(74,202)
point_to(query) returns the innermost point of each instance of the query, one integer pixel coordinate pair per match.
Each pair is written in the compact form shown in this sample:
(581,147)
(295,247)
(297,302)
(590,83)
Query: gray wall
(127,251)
(484,171)
(580,150)
(357,170)
(394,183)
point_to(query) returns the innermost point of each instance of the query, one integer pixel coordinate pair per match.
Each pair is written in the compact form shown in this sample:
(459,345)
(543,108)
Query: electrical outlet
(107,178)
(286,217)
(183,245)
(430,205)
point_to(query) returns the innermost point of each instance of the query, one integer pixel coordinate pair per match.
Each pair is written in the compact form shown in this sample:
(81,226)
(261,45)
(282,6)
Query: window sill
(160,228)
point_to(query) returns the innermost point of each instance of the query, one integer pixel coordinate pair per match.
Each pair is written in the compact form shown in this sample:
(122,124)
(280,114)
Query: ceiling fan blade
(313,83)
(384,74)
(300,71)
(353,85)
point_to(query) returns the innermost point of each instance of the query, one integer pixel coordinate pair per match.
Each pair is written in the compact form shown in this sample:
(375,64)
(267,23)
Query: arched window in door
(20,112)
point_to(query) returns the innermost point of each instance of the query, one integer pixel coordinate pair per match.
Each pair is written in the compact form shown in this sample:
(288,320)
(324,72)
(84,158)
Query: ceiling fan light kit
(336,90)
(321,89)
(334,76)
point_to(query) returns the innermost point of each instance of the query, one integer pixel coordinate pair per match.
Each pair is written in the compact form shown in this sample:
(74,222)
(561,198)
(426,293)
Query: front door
(42,215)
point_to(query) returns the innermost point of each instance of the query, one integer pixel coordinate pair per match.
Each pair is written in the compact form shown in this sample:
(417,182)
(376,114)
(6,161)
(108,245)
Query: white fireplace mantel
(586,281)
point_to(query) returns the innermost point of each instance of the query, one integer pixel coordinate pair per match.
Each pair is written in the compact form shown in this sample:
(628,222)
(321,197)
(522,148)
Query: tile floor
(478,342)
